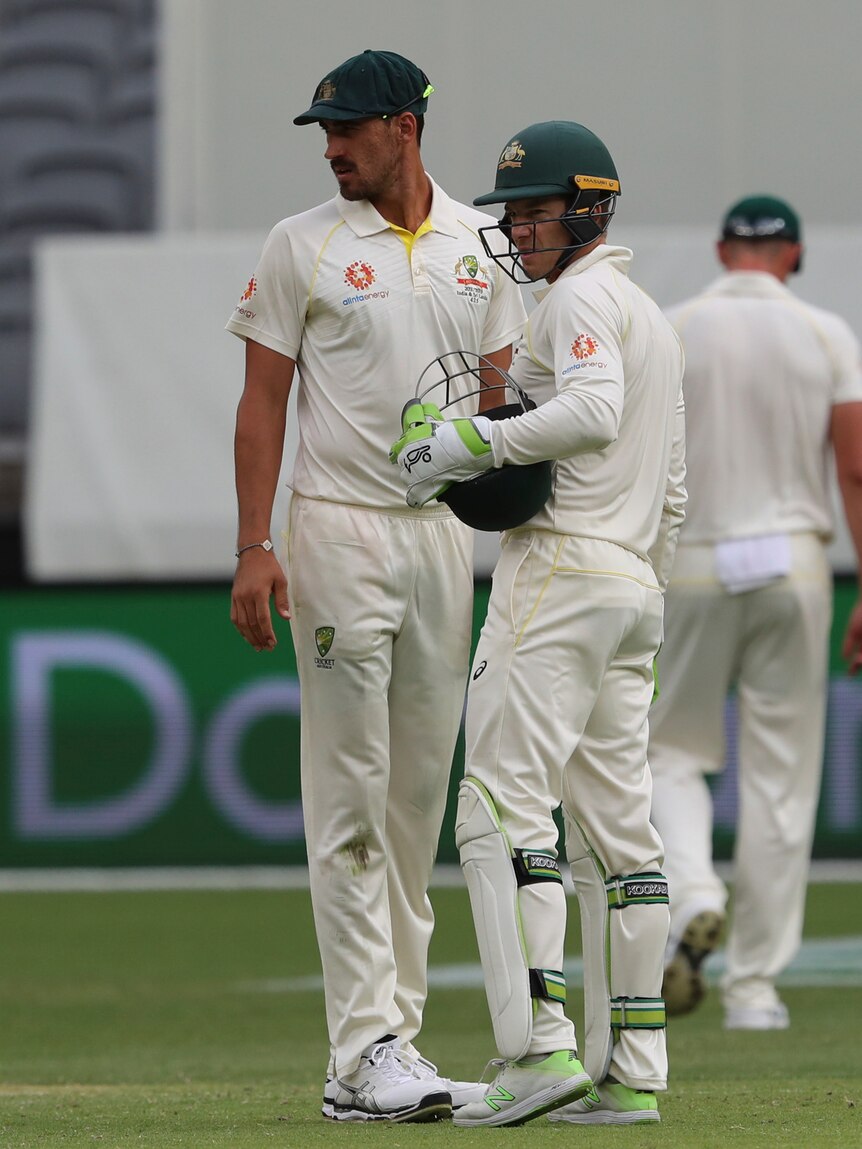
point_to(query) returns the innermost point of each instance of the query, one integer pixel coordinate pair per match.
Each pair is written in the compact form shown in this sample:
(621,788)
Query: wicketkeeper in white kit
(562,679)
(354,298)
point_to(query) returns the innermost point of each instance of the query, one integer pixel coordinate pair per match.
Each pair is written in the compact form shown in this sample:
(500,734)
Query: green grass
(140,1019)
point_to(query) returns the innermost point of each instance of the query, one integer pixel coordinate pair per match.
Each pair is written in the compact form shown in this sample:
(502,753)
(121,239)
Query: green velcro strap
(549,984)
(470,437)
(637,890)
(638,1013)
(533,866)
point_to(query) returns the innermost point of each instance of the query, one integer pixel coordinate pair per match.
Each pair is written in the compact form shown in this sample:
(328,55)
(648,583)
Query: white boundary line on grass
(109,879)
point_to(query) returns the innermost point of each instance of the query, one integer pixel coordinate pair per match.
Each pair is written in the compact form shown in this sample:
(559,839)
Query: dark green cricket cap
(367,85)
(761,217)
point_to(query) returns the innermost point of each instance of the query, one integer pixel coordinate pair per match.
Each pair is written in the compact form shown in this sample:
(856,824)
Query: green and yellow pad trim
(549,984)
(638,1013)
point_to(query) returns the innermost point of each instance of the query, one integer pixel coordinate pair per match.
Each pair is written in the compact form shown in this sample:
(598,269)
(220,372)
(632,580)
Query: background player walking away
(772,385)
(353,298)
(563,674)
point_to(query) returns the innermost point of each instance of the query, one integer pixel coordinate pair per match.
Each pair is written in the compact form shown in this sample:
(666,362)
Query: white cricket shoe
(751,1017)
(461,1092)
(385,1088)
(610,1103)
(523,1090)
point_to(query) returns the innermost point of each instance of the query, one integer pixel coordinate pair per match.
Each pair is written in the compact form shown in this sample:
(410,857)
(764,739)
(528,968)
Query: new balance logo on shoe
(500,1094)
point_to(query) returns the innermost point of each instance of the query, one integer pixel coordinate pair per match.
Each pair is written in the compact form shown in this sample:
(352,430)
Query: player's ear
(405,125)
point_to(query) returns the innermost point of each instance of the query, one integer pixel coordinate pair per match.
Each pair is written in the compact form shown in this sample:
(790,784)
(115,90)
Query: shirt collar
(364,219)
(748,283)
(619,258)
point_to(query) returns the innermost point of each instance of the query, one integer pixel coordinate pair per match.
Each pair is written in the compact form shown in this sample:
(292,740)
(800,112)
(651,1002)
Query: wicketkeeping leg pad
(494,871)
(623,951)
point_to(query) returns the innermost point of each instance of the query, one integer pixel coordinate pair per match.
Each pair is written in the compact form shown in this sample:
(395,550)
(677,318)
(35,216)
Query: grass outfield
(167,1019)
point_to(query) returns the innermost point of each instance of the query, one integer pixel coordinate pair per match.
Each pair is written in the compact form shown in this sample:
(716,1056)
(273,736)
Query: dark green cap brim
(325,111)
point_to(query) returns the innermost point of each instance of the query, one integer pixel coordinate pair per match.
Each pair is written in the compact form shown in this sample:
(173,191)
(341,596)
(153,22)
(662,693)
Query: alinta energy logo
(584,347)
(247,295)
(359,275)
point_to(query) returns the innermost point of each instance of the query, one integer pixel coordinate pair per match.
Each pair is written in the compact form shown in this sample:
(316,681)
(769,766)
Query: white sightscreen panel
(136,384)
(130,472)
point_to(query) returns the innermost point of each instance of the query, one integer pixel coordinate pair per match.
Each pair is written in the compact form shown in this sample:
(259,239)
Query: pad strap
(532,866)
(638,1013)
(549,984)
(637,890)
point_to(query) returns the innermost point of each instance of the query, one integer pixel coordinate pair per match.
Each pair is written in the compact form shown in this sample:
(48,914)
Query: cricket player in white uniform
(563,675)
(354,298)
(771,384)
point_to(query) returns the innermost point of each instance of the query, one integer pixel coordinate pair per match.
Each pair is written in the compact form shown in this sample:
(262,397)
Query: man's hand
(258,577)
(852,647)
(433,453)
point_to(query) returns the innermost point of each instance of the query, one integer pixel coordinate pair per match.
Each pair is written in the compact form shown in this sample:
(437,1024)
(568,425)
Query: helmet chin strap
(575,225)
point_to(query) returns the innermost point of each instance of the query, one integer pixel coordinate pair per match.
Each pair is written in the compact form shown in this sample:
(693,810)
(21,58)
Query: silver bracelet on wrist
(266,544)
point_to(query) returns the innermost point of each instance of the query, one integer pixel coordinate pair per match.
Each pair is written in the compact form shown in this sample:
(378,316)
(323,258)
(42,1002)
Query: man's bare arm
(258,448)
(846,436)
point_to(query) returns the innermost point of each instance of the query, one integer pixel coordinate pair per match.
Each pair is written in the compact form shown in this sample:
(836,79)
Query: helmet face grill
(584,224)
(504,497)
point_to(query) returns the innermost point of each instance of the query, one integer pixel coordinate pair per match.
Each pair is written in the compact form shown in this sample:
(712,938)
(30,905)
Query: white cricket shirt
(762,373)
(606,368)
(363,308)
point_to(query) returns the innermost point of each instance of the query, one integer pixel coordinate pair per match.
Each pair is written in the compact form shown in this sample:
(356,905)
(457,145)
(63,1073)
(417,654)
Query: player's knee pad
(494,871)
(624,922)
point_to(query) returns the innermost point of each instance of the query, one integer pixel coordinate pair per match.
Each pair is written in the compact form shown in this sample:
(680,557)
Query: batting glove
(433,453)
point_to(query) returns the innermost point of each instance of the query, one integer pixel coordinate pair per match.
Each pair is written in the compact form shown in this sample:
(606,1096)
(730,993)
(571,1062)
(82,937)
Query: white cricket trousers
(381,704)
(772,644)
(557,714)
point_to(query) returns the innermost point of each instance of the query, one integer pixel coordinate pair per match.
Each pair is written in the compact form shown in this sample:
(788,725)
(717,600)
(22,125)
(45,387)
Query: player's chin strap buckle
(638,1013)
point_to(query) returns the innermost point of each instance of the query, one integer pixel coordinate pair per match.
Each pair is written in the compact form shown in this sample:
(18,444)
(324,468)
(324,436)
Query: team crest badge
(323,638)
(471,265)
(512,156)
(326,91)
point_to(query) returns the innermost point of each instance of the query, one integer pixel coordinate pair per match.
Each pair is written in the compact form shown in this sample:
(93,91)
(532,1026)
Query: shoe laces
(422,1068)
(393,1063)
(494,1067)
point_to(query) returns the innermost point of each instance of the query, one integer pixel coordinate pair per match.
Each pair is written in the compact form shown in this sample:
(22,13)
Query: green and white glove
(433,452)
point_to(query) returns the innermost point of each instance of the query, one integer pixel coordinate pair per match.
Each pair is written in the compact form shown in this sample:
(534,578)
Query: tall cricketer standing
(353,299)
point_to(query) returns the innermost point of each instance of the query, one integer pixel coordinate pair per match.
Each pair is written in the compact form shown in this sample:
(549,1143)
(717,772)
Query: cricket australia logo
(323,639)
(472,279)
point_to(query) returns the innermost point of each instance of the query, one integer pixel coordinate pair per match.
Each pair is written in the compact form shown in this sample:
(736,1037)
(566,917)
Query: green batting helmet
(555,158)
(558,157)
